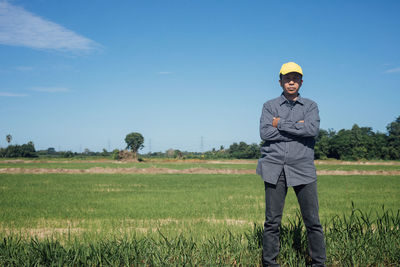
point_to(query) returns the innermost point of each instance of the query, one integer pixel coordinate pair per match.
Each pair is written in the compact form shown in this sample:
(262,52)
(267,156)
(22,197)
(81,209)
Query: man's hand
(301,121)
(275,122)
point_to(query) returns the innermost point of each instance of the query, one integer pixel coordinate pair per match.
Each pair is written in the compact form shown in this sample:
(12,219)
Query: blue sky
(83,74)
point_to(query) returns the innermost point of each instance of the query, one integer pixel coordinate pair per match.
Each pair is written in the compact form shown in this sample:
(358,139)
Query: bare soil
(153,170)
(339,162)
(228,161)
(42,233)
(139,226)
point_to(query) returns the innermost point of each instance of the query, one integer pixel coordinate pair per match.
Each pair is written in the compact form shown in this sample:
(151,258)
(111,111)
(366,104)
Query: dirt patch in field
(183,161)
(339,162)
(122,161)
(337,172)
(153,170)
(231,161)
(166,221)
(42,233)
(58,161)
(227,221)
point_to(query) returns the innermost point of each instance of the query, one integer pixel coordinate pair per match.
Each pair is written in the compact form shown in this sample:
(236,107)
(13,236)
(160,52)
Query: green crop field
(185,219)
(87,165)
(185,164)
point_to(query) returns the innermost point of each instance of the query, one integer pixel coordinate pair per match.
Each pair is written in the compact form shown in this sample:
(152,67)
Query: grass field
(192,208)
(188,164)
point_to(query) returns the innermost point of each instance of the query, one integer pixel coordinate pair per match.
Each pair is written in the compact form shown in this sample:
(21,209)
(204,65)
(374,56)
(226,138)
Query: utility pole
(201,144)
(149,145)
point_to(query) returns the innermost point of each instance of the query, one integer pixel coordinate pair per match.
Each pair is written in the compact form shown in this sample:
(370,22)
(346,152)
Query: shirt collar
(284,100)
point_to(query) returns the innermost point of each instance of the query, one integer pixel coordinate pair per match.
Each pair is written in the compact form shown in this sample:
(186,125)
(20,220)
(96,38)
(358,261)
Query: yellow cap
(290,67)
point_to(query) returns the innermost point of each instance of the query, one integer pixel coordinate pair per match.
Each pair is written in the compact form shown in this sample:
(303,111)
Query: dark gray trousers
(308,200)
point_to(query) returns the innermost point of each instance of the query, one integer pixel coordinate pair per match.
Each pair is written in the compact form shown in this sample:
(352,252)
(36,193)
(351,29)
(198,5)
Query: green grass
(179,165)
(187,219)
(355,240)
(113,201)
(169,202)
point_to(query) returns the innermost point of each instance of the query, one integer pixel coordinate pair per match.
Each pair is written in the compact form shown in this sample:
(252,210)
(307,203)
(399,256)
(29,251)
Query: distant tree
(105,153)
(13,151)
(25,150)
(394,139)
(381,146)
(8,138)
(28,150)
(394,127)
(115,154)
(354,144)
(177,154)
(134,141)
(348,144)
(67,154)
(51,151)
(321,150)
(244,151)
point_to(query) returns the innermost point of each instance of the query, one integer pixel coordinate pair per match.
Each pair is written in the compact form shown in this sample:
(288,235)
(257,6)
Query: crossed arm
(267,131)
(279,129)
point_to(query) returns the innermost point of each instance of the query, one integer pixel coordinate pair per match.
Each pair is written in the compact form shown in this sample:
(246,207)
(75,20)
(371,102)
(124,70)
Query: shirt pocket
(282,112)
(298,113)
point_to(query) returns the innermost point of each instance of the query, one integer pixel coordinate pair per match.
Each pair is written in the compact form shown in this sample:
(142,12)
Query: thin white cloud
(164,72)
(19,27)
(50,89)
(394,70)
(7,94)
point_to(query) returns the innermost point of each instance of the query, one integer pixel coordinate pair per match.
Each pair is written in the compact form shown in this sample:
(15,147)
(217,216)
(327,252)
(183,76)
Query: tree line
(19,151)
(359,143)
(356,143)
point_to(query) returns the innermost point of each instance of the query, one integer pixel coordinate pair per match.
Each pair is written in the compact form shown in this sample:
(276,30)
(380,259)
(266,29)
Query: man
(288,126)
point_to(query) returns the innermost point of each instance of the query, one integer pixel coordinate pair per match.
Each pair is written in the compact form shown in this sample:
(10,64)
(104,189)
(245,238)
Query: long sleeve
(308,128)
(267,131)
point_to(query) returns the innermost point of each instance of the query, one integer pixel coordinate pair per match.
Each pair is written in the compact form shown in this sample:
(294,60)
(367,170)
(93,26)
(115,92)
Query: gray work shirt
(290,146)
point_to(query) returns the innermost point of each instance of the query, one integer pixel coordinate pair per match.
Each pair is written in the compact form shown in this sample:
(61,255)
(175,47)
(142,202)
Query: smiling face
(291,84)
